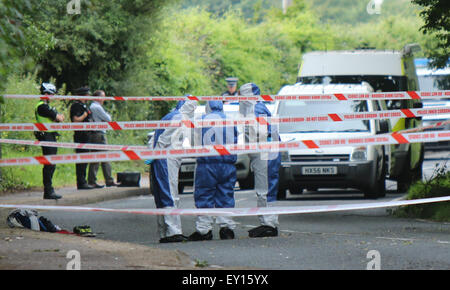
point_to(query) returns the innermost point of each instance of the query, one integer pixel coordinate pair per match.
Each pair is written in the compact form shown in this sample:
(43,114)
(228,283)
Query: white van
(360,167)
(385,71)
(434,80)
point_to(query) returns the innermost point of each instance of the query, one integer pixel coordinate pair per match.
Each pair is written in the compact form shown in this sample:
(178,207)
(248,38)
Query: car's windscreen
(300,108)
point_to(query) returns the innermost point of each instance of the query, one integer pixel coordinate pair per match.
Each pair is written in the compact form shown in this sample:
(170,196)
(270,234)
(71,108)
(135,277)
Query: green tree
(11,42)
(436,14)
(92,48)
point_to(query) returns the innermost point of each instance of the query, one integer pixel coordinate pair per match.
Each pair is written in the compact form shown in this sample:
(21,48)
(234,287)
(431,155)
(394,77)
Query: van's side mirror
(384,127)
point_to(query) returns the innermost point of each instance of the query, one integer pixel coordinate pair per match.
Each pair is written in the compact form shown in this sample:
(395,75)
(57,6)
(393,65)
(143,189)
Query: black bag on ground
(129,178)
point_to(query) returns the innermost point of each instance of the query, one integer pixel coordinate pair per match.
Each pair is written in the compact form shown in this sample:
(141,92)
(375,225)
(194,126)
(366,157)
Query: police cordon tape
(90,146)
(229,149)
(237,212)
(146,125)
(407,95)
(107,147)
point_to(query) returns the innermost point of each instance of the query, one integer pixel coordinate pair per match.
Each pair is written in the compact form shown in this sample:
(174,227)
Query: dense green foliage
(94,47)
(436,14)
(438,185)
(11,36)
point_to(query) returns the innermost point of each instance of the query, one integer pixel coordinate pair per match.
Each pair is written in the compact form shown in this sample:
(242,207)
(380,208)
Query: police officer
(79,112)
(44,113)
(265,166)
(231,86)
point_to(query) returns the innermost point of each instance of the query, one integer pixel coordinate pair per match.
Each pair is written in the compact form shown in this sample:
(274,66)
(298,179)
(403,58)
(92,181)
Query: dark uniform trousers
(81,137)
(48,170)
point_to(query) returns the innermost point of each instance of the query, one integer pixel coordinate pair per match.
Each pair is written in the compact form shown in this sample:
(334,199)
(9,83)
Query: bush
(438,185)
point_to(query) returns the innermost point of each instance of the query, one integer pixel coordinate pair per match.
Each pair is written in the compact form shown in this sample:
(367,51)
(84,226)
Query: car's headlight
(359,154)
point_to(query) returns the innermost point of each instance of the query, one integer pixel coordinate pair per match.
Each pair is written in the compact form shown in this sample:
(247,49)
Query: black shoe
(196,236)
(174,239)
(112,184)
(47,226)
(96,185)
(263,231)
(85,186)
(226,234)
(51,195)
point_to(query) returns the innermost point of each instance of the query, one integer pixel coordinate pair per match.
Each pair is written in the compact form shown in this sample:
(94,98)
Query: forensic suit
(164,172)
(215,177)
(265,166)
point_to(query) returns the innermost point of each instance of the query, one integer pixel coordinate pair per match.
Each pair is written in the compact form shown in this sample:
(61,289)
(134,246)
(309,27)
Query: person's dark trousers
(81,137)
(48,170)
(99,138)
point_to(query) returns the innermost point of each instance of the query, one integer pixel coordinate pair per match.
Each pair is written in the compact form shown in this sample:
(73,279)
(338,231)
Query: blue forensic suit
(215,176)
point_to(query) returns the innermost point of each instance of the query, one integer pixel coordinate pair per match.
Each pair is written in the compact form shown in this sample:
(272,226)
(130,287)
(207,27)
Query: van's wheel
(378,188)
(248,182)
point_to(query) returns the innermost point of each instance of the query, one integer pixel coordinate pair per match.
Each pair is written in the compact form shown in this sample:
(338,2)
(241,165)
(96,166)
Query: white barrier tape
(107,147)
(237,212)
(146,125)
(90,146)
(408,95)
(230,149)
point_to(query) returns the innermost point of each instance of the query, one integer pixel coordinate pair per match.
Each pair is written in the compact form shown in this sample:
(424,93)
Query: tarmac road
(340,240)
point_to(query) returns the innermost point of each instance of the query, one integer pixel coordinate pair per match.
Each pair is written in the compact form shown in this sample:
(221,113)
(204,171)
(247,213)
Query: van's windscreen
(300,108)
(434,82)
(378,83)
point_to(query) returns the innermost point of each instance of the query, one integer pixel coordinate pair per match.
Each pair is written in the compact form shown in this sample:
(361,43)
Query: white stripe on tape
(217,150)
(236,212)
(408,95)
(147,125)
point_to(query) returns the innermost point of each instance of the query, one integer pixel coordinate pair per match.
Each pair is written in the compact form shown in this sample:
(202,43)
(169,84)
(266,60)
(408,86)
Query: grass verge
(436,186)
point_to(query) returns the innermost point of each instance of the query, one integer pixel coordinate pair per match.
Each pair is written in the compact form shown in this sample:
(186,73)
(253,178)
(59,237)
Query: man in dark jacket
(79,112)
(44,113)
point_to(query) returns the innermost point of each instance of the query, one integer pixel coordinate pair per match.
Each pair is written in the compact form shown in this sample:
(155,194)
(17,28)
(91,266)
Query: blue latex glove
(148,161)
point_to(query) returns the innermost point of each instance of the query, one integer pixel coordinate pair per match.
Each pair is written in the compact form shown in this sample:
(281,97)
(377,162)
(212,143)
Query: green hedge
(437,186)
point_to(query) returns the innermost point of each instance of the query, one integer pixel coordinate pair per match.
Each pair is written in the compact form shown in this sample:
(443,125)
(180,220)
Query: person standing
(265,166)
(215,178)
(99,137)
(231,88)
(164,172)
(79,112)
(44,113)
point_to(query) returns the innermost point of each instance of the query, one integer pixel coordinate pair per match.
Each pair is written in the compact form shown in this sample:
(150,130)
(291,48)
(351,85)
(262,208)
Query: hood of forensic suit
(214,106)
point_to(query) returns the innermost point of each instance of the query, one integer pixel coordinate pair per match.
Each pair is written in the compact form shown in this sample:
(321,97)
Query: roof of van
(300,88)
(352,62)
